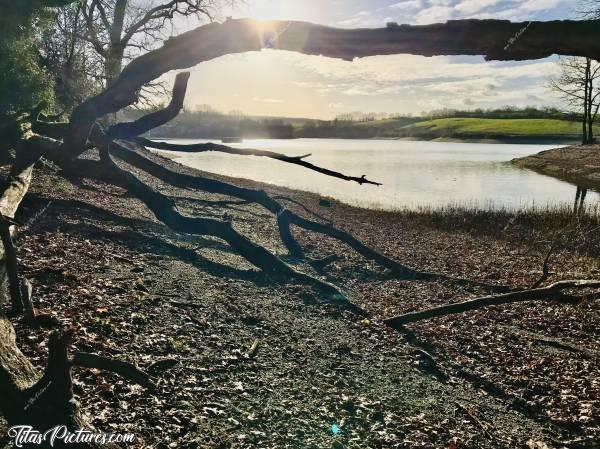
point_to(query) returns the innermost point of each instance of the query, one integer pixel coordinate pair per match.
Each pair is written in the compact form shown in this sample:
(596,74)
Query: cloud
(407,4)
(434,11)
(267,100)
(410,80)
(434,14)
(475,6)
(539,5)
(360,18)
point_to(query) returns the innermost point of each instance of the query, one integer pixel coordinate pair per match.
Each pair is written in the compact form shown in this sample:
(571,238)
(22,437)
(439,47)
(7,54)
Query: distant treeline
(506,112)
(208,123)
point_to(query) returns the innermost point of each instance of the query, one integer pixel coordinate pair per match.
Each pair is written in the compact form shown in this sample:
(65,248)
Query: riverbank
(577,164)
(320,377)
(492,139)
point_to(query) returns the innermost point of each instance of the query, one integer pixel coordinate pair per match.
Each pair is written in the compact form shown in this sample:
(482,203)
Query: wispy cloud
(267,100)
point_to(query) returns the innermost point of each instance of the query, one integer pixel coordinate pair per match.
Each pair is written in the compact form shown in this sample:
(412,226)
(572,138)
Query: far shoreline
(505,140)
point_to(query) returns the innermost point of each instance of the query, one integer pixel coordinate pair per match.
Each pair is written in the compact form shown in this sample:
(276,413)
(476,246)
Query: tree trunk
(113,65)
(586,96)
(114,56)
(27,397)
(590,113)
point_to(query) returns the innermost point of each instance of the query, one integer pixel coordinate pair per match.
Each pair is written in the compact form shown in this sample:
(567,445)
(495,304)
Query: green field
(474,128)
(516,127)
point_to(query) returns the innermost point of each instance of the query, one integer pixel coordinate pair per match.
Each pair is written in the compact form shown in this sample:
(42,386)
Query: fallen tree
(118,150)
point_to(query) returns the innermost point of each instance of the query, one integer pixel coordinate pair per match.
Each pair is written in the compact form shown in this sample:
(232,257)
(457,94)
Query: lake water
(413,174)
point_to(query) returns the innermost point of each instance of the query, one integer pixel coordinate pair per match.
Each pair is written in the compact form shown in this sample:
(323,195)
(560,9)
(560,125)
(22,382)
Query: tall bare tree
(119,30)
(590,8)
(578,84)
(76,68)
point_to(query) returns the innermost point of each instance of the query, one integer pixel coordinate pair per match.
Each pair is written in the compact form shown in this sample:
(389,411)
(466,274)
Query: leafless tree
(119,30)
(590,9)
(578,86)
(77,69)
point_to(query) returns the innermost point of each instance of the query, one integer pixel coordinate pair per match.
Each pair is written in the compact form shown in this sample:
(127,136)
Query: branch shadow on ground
(139,235)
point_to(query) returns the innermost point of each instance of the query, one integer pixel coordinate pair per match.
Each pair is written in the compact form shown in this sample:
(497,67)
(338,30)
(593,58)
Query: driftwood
(551,292)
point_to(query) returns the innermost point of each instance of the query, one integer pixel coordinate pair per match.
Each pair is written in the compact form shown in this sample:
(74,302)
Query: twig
(253,349)
(545,268)
(474,419)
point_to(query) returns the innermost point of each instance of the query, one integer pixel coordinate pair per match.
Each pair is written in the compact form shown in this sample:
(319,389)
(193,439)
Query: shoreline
(576,164)
(507,140)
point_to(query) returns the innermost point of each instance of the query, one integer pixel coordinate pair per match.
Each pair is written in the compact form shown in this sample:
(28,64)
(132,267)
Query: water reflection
(580,200)
(414,174)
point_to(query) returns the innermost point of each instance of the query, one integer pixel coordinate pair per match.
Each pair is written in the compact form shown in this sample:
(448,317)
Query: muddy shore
(577,164)
(522,375)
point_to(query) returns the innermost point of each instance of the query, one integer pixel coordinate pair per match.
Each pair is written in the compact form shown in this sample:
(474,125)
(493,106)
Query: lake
(413,174)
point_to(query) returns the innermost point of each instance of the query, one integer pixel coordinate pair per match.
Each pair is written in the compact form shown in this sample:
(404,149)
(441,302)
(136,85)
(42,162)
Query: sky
(277,83)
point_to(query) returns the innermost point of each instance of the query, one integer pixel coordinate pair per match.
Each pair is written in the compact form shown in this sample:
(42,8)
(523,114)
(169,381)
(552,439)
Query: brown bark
(124,369)
(15,188)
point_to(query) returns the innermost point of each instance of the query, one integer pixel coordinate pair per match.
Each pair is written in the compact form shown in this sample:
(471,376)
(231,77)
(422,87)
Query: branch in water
(296,160)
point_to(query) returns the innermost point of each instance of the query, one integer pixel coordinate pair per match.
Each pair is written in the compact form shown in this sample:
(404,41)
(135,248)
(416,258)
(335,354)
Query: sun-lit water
(414,174)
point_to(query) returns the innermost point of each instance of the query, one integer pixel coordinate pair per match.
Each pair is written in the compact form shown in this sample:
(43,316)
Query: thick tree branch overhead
(494,39)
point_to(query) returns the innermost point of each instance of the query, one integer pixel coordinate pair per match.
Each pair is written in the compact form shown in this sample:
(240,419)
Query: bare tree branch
(155,119)
(552,292)
(296,160)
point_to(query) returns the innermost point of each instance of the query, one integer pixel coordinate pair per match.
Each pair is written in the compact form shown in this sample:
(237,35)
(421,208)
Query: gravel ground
(245,361)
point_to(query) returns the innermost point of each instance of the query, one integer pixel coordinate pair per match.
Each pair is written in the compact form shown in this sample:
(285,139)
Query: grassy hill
(475,128)
(517,127)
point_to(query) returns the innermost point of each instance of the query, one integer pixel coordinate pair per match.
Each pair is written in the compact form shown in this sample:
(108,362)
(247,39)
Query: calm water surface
(414,174)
